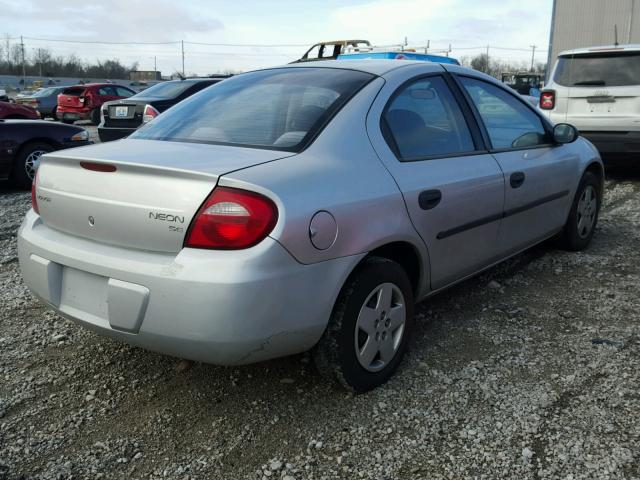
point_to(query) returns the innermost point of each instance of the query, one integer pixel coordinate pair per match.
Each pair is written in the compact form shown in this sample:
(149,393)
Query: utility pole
(155,67)
(533,55)
(487,68)
(24,71)
(182,41)
(426,49)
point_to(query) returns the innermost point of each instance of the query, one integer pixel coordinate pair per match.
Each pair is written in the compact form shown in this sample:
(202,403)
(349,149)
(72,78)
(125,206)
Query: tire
(26,163)
(583,216)
(340,355)
(54,113)
(95,116)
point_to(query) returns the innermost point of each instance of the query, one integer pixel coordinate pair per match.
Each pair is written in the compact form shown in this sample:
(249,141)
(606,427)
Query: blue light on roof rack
(424,57)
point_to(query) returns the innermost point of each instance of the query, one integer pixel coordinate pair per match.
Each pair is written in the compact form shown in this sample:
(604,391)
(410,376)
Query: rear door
(537,173)
(602,89)
(453,190)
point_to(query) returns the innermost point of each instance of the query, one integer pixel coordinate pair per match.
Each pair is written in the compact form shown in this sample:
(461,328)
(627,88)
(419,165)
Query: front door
(537,173)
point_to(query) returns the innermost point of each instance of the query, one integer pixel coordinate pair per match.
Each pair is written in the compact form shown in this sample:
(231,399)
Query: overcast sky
(509,24)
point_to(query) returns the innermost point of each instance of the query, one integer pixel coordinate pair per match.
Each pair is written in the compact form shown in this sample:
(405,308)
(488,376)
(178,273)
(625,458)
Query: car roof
(373,66)
(89,85)
(602,49)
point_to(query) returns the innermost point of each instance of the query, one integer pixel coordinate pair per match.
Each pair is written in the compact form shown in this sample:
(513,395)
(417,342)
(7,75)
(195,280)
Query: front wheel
(583,217)
(27,162)
(369,328)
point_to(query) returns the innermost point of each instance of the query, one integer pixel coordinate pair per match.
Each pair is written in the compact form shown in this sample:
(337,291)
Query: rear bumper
(223,307)
(615,147)
(108,134)
(67,113)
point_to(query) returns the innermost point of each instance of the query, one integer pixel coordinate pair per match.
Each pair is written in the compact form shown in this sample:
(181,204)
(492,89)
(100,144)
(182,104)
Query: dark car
(83,102)
(45,101)
(22,142)
(17,111)
(122,117)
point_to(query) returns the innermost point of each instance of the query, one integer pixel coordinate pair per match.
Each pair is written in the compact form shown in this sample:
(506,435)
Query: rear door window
(598,70)
(510,124)
(424,120)
(106,91)
(123,92)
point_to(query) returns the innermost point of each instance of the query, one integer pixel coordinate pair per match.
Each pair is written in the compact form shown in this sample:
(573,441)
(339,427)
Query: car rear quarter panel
(339,173)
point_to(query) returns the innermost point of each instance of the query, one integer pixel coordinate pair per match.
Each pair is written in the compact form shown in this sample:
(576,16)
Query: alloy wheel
(380,327)
(32,162)
(587,210)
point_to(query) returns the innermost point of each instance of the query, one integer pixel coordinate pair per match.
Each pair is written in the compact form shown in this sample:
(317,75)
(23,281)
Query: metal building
(588,23)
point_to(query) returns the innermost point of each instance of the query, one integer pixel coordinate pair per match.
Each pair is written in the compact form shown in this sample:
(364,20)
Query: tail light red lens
(232,219)
(149,113)
(548,100)
(34,196)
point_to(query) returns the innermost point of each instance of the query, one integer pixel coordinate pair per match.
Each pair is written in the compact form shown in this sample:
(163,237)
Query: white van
(598,91)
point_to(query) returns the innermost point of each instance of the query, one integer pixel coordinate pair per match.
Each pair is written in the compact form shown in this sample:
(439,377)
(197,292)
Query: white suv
(598,90)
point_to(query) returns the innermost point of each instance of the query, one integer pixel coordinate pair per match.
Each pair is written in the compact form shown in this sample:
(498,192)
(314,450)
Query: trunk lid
(604,108)
(148,202)
(600,88)
(70,97)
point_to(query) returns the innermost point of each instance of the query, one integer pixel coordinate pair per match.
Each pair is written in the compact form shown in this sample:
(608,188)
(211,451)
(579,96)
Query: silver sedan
(305,207)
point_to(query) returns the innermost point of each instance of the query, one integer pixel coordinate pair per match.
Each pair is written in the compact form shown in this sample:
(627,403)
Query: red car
(17,111)
(83,102)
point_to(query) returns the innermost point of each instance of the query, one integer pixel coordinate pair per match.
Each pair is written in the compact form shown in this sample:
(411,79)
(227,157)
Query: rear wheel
(369,328)
(583,217)
(27,162)
(54,113)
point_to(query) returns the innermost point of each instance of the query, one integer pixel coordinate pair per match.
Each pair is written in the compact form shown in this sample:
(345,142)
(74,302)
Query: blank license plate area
(85,292)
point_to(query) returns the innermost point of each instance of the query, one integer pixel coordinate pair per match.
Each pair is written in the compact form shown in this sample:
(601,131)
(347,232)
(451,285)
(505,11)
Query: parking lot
(530,371)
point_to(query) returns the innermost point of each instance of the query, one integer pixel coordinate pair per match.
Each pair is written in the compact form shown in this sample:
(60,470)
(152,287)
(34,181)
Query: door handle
(517,179)
(429,199)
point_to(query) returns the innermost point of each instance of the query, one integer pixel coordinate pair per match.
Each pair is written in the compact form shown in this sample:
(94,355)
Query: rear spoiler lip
(73,156)
(61,157)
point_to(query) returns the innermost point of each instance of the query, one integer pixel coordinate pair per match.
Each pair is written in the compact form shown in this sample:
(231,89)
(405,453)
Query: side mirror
(565,133)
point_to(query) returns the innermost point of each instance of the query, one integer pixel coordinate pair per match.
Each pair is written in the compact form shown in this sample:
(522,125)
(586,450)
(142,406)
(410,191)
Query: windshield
(280,109)
(165,90)
(599,70)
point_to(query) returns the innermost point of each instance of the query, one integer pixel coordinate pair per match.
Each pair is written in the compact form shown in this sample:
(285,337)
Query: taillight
(548,100)
(232,219)
(149,113)
(34,196)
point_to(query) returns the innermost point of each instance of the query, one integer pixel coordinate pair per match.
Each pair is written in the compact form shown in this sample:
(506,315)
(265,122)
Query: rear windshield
(166,90)
(599,70)
(46,92)
(280,109)
(75,91)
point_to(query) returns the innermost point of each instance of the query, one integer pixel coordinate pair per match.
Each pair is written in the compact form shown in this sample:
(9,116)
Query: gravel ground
(530,371)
